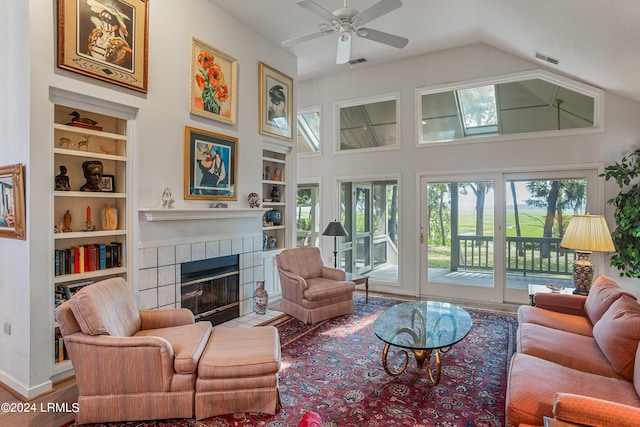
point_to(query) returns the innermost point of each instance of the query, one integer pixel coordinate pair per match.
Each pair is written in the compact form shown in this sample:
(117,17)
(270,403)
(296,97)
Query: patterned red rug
(334,368)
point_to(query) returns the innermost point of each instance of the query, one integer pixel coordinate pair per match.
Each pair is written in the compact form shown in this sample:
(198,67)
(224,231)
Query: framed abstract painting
(211,163)
(214,90)
(105,39)
(276,103)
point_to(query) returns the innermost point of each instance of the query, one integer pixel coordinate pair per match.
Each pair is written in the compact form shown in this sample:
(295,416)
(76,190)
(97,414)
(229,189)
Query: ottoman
(238,372)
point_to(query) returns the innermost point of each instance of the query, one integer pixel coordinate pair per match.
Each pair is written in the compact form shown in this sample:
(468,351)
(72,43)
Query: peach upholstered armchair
(130,364)
(311,291)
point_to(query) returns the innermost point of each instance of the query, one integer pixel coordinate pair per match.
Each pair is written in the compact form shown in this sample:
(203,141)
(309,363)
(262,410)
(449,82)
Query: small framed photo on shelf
(213,83)
(211,162)
(105,40)
(276,103)
(12,207)
(108,183)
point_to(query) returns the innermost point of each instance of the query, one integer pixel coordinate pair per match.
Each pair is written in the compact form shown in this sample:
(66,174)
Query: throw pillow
(603,293)
(310,419)
(617,334)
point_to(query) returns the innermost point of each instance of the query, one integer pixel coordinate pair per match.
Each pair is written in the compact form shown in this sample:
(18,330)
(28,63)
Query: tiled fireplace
(160,268)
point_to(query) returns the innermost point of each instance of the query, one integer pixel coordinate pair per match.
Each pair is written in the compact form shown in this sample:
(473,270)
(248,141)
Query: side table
(542,289)
(360,280)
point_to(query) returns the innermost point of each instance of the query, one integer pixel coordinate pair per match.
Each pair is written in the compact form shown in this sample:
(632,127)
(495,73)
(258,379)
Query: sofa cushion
(618,332)
(106,308)
(322,289)
(533,383)
(188,343)
(565,348)
(603,293)
(552,319)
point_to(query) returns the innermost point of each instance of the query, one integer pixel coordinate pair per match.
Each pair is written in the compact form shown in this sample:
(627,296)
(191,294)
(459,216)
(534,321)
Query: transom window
(309,131)
(368,124)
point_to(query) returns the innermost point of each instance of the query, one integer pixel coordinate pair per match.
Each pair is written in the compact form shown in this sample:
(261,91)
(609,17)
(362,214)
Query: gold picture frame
(12,211)
(115,51)
(276,103)
(210,165)
(213,87)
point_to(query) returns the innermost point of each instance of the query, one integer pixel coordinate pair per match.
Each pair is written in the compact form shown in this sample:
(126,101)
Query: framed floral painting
(12,208)
(276,103)
(105,39)
(211,162)
(213,83)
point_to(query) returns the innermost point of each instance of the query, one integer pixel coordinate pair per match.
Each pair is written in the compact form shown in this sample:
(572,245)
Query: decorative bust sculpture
(93,174)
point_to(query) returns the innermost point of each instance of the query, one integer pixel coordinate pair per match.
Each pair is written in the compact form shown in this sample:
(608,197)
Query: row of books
(85,258)
(59,349)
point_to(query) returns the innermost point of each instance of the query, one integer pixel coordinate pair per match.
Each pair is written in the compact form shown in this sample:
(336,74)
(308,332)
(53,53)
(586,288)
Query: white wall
(28,32)
(622,135)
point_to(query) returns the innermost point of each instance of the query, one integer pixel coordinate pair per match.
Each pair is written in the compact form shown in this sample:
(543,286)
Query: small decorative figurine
(93,173)
(64,141)
(84,143)
(267,172)
(167,198)
(83,122)
(67,222)
(277,175)
(62,180)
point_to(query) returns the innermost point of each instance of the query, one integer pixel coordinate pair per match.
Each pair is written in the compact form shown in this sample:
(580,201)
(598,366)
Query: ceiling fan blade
(318,10)
(382,37)
(344,48)
(376,11)
(306,37)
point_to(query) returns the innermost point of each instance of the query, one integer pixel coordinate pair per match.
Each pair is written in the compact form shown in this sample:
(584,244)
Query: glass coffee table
(427,328)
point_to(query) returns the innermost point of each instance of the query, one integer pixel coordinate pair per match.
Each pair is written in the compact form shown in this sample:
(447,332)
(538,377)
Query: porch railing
(541,255)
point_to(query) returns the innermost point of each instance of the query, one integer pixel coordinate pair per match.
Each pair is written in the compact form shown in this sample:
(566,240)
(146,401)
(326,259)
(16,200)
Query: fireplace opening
(210,288)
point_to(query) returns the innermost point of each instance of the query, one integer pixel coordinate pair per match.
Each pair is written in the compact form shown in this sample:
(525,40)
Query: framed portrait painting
(276,103)
(105,39)
(213,83)
(211,163)
(12,208)
(108,183)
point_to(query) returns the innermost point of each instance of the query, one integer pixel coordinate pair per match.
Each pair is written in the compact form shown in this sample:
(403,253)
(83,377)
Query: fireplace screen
(211,288)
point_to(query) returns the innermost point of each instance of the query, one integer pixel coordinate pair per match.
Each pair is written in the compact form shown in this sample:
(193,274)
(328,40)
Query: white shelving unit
(71,146)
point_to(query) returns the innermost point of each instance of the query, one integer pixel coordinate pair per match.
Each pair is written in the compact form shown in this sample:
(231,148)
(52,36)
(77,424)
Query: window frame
(308,110)
(587,90)
(395,96)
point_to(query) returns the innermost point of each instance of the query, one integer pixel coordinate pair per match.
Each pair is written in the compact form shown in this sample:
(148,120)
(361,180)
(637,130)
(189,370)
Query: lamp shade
(588,233)
(335,229)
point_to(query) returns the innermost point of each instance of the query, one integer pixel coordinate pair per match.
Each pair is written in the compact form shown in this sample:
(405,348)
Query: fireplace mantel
(151,214)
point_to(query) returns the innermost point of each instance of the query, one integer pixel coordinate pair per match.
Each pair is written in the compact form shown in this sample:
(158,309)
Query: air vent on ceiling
(549,59)
(357,61)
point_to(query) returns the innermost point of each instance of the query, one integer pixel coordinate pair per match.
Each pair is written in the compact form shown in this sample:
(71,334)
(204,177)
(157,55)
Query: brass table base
(421,356)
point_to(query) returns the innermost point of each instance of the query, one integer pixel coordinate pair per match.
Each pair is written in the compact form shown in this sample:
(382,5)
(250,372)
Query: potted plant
(626,236)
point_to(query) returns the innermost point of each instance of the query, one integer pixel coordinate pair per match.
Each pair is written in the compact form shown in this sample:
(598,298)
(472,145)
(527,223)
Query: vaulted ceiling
(595,41)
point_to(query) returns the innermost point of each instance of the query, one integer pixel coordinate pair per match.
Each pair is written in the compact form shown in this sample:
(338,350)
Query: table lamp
(336,230)
(586,234)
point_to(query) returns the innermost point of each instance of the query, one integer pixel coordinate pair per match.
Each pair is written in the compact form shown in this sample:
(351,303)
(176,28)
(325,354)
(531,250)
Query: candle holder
(89,226)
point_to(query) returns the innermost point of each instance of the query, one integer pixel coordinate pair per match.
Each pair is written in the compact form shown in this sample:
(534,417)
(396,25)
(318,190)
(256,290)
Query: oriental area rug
(334,368)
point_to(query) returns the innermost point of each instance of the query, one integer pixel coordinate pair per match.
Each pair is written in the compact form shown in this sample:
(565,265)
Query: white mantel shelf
(199,213)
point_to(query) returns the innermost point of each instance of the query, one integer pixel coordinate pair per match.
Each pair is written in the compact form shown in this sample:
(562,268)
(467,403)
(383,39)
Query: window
(308,215)
(368,125)
(369,213)
(525,103)
(309,131)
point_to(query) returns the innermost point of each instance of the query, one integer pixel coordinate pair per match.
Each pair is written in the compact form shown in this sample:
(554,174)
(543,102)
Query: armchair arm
(562,303)
(156,319)
(292,285)
(333,273)
(595,412)
(120,365)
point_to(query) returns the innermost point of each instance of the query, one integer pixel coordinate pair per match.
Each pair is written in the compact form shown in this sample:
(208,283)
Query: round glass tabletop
(423,325)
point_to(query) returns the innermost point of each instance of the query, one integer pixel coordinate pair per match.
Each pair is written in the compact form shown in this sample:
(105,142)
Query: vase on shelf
(109,217)
(260,298)
(274,216)
(275,193)
(273,242)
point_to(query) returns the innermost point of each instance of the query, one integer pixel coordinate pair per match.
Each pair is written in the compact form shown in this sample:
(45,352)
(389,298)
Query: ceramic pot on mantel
(260,298)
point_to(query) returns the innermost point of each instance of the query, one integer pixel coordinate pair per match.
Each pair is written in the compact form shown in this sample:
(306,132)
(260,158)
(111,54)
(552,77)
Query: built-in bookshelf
(90,229)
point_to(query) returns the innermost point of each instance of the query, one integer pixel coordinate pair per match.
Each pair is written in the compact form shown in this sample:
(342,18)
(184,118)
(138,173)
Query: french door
(485,237)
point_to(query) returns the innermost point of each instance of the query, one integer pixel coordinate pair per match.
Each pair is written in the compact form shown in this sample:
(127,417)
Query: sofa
(311,291)
(133,364)
(577,359)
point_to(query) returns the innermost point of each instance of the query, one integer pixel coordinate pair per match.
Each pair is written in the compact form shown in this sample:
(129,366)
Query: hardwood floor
(52,409)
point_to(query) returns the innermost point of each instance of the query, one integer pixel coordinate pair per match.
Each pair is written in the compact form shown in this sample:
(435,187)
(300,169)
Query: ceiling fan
(347,21)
